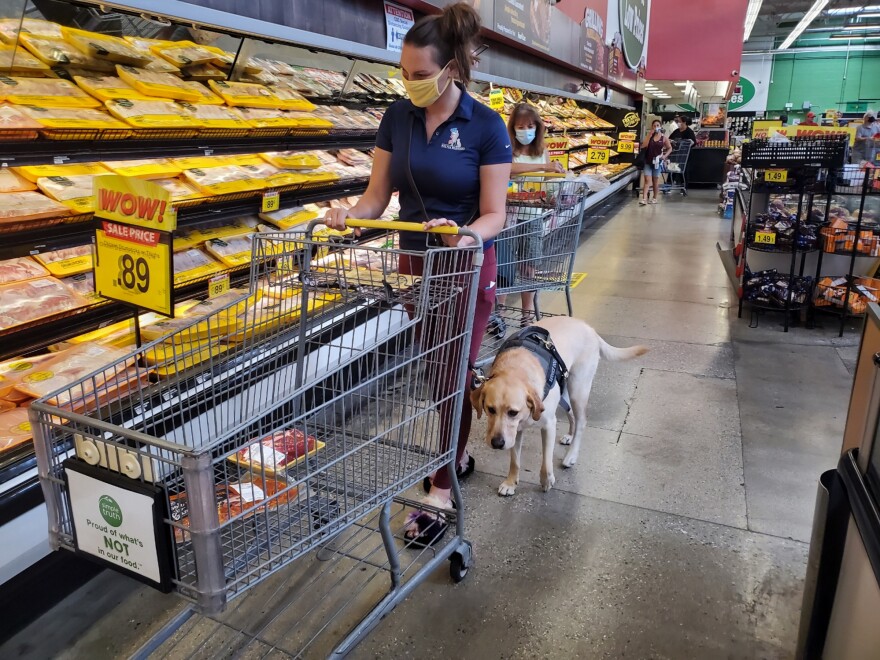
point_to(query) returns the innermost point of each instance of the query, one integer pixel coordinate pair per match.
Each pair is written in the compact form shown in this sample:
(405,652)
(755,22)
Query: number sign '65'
(133,265)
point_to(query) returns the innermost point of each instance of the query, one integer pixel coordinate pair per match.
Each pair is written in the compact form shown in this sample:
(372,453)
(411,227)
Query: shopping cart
(535,250)
(287,422)
(674,167)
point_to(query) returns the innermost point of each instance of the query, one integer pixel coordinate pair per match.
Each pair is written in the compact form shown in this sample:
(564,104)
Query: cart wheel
(457,570)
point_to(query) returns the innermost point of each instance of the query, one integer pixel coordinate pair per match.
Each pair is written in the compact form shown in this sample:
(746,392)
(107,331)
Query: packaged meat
(187,326)
(44,92)
(15,428)
(271,176)
(16,125)
(223,229)
(20,269)
(23,302)
(84,285)
(353,157)
(75,118)
(222,180)
(107,88)
(19,62)
(152,83)
(150,114)
(232,252)
(290,99)
(179,190)
(70,261)
(34,172)
(70,366)
(55,51)
(183,53)
(24,206)
(192,265)
(248,95)
(151,168)
(206,96)
(267,118)
(204,72)
(105,47)
(75,192)
(279,451)
(292,160)
(291,218)
(214,116)
(233,499)
(305,120)
(9,28)
(10,182)
(13,371)
(202,162)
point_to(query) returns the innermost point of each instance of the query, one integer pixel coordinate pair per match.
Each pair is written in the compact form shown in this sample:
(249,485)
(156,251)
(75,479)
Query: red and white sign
(132,234)
(398,21)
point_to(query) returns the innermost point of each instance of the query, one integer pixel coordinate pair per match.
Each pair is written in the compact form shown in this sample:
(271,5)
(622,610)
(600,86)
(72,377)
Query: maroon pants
(446,381)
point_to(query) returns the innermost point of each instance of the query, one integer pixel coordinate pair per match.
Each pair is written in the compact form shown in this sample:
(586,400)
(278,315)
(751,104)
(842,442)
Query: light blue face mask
(525,136)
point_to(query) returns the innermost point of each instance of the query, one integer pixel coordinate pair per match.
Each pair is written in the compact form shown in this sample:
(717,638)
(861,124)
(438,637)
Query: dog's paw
(570,459)
(566,439)
(547,481)
(506,489)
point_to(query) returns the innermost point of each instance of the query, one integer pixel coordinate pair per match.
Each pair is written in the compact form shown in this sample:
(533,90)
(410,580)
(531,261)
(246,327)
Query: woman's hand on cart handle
(555,166)
(335,219)
(452,240)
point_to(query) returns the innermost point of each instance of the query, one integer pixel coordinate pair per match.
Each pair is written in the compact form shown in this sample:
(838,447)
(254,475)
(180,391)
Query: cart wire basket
(289,421)
(675,167)
(535,251)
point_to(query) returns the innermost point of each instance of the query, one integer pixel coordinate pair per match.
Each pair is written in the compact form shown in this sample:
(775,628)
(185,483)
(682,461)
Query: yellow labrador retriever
(522,390)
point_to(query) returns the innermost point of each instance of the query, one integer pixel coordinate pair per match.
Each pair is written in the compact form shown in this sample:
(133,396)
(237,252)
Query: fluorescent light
(752,12)
(684,84)
(854,37)
(870,15)
(860,27)
(808,18)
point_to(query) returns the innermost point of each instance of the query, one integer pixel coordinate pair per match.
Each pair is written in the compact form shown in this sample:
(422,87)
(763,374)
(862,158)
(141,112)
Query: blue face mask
(525,136)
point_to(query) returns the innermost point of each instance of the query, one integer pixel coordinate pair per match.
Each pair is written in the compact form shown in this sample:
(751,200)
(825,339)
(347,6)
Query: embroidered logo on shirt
(454,142)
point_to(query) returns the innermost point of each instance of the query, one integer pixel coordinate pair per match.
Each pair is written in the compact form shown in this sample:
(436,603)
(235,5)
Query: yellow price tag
(626,137)
(560,157)
(597,156)
(765,237)
(626,147)
(133,265)
(218,285)
(775,176)
(496,99)
(271,201)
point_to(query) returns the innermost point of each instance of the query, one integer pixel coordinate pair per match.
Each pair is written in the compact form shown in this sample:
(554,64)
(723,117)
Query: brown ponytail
(452,33)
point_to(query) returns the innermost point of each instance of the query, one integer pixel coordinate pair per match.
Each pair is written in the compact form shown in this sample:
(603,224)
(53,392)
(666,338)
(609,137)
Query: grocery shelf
(39,152)
(48,237)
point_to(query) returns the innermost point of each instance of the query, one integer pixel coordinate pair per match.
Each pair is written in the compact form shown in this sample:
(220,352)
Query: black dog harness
(536,340)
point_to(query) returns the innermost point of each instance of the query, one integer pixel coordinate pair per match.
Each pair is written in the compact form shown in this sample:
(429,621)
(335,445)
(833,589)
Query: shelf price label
(775,176)
(271,201)
(218,285)
(626,137)
(133,265)
(626,147)
(597,156)
(765,238)
(496,99)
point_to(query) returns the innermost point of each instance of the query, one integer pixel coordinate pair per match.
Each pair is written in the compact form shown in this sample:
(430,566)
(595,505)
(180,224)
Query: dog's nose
(498,442)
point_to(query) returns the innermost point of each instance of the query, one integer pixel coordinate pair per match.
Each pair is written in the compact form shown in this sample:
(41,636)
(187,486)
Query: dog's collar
(537,341)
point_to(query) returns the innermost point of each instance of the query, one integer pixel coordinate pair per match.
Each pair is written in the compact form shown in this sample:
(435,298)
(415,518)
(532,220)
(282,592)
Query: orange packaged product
(13,371)
(234,498)
(23,302)
(10,182)
(45,92)
(25,206)
(10,27)
(56,51)
(19,62)
(204,73)
(15,428)
(16,125)
(183,53)
(105,47)
(20,269)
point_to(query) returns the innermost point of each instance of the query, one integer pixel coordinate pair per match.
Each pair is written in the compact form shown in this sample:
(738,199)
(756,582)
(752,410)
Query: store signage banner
(743,93)
(114,524)
(633,16)
(525,21)
(592,47)
(398,21)
(803,131)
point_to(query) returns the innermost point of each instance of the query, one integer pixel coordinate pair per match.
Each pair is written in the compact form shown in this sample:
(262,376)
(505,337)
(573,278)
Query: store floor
(683,530)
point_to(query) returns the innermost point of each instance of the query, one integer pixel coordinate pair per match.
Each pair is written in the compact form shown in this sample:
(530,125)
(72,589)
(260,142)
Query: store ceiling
(777,18)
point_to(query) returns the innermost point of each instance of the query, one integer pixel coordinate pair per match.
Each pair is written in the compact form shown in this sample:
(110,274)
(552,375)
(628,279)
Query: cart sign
(398,21)
(133,265)
(135,202)
(118,526)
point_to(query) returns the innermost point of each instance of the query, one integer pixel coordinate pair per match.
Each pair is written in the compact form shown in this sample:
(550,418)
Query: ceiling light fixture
(808,18)
(870,15)
(752,12)
(854,27)
(854,37)
(684,84)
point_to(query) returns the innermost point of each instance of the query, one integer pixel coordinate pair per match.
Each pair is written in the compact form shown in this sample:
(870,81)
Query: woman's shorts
(650,170)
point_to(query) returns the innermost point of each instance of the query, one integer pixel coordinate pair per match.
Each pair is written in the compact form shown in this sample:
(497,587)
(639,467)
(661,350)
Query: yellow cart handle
(544,175)
(397,225)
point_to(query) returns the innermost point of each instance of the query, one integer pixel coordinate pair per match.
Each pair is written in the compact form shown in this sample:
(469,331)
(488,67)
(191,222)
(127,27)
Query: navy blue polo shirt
(446,168)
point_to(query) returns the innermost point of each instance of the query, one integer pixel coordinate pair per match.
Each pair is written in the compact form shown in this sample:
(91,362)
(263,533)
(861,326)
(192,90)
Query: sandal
(527,319)
(642,202)
(462,474)
(424,529)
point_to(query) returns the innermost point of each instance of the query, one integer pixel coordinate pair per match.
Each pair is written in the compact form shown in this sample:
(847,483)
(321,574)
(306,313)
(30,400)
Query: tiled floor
(682,531)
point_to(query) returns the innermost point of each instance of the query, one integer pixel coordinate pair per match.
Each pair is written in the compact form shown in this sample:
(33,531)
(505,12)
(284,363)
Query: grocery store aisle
(681,532)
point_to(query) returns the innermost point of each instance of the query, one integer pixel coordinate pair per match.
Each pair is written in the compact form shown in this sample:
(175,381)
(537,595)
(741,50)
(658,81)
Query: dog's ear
(535,404)
(477,400)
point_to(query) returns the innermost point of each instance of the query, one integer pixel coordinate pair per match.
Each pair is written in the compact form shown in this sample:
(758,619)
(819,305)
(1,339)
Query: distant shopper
(683,131)
(784,119)
(810,120)
(657,149)
(865,145)
(526,130)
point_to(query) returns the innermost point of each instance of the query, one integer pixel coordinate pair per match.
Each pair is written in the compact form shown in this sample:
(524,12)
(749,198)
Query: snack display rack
(782,173)
(334,91)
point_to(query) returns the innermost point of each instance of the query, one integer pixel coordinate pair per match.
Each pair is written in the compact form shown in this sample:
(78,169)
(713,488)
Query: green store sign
(743,94)
(634,29)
